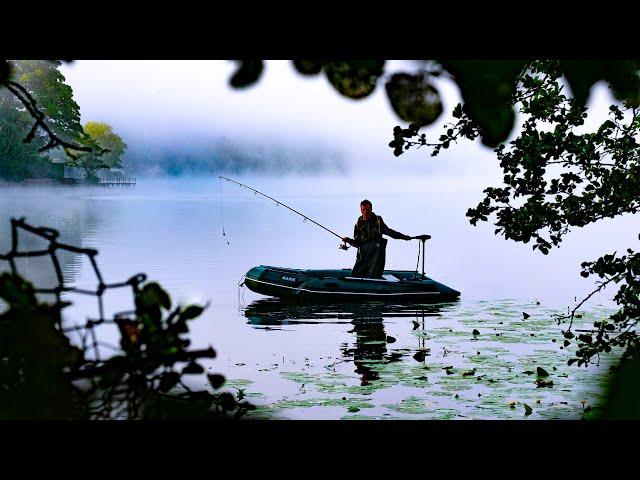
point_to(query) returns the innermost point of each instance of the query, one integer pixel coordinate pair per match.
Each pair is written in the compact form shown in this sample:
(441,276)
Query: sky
(186,103)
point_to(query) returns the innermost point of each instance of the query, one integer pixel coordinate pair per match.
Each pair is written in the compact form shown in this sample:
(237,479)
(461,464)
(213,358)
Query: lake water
(342,361)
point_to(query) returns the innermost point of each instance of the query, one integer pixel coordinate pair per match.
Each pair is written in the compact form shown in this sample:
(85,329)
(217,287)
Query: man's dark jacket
(367,235)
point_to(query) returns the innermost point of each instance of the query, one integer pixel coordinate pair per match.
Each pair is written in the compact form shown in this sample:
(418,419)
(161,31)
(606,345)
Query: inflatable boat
(340,286)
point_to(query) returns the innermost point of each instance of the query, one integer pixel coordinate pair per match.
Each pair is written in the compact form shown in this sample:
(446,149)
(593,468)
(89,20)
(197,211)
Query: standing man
(367,235)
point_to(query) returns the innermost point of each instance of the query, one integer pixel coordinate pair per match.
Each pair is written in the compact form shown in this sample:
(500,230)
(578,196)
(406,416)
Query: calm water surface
(340,361)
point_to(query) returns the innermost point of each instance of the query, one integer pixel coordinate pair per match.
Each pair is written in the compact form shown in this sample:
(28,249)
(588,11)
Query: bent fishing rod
(344,246)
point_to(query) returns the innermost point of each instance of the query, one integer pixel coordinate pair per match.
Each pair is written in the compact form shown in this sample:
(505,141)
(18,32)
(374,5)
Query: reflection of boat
(271,311)
(340,286)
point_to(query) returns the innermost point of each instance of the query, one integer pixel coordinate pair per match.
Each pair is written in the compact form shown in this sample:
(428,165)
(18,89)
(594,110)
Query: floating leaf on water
(528,372)
(419,356)
(475,332)
(541,372)
(525,315)
(527,409)
(390,339)
(469,373)
(543,383)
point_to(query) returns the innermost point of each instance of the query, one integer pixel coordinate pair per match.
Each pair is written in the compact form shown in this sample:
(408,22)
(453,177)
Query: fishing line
(222,211)
(278,203)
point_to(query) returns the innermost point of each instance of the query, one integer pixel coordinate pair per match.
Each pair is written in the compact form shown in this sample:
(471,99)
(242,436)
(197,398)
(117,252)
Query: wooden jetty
(125,181)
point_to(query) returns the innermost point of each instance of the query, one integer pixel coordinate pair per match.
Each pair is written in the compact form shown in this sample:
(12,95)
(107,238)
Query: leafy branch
(556,179)
(31,107)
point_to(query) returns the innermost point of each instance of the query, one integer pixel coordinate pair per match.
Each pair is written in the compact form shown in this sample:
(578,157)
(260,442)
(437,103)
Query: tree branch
(30,104)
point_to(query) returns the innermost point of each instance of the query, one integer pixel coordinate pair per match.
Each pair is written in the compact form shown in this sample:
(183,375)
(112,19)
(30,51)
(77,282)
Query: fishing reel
(344,246)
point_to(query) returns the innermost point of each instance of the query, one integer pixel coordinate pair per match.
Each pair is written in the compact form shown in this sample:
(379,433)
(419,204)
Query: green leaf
(168,381)
(247,74)
(17,292)
(413,99)
(527,409)
(227,401)
(309,67)
(152,294)
(216,380)
(581,75)
(419,356)
(192,311)
(355,78)
(193,368)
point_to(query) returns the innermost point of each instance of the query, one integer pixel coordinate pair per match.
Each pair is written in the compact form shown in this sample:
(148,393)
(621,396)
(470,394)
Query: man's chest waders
(372,251)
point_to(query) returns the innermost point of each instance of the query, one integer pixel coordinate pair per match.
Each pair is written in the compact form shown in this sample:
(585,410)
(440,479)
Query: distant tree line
(225,155)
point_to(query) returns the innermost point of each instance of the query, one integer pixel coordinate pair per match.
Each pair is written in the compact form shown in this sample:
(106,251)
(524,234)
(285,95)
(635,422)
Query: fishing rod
(344,246)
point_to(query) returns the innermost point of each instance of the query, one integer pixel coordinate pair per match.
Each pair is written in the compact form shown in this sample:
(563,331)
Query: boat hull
(339,286)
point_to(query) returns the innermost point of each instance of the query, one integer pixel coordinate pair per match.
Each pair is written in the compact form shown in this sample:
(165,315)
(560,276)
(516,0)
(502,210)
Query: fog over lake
(171,229)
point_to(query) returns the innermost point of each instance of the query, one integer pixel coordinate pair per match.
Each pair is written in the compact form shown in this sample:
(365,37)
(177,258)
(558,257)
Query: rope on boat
(241,302)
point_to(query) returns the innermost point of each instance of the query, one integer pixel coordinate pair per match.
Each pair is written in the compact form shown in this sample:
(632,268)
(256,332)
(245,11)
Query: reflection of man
(370,348)
(367,236)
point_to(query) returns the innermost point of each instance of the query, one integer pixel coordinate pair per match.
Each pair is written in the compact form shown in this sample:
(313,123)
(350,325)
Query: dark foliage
(487,87)
(557,178)
(46,375)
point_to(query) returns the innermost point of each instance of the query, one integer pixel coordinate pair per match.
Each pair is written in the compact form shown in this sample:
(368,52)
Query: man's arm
(392,233)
